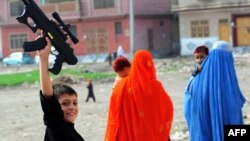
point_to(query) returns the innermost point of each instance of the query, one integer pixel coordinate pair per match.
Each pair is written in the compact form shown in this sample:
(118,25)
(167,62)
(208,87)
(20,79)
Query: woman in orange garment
(140,109)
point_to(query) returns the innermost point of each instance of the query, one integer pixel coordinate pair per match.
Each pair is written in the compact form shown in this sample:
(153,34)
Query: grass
(90,75)
(33,76)
(18,78)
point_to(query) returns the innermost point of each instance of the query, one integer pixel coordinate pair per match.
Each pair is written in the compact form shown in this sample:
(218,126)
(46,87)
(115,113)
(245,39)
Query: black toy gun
(57,33)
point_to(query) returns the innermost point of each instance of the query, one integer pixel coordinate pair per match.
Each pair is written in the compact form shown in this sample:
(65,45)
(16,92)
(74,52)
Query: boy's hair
(60,89)
(202,49)
(120,63)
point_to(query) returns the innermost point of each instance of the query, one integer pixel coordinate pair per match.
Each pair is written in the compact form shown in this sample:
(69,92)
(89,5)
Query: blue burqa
(213,97)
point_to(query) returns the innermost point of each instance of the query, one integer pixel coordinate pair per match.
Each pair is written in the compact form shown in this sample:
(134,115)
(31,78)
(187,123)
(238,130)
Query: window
(16,8)
(223,21)
(16,41)
(118,28)
(104,4)
(54,1)
(200,28)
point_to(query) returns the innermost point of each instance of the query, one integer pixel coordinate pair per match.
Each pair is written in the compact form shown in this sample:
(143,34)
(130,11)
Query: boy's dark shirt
(196,70)
(57,128)
(90,90)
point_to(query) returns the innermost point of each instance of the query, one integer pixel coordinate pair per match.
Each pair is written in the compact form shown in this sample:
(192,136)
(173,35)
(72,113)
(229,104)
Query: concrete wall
(109,25)
(188,44)
(161,35)
(141,7)
(1,45)
(145,7)
(10,30)
(196,2)
(150,14)
(213,16)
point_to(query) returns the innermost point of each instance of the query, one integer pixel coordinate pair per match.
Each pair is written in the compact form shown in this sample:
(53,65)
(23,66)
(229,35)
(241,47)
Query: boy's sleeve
(53,114)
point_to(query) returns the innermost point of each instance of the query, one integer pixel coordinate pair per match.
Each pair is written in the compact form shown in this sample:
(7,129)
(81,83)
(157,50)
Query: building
(100,25)
(206,21)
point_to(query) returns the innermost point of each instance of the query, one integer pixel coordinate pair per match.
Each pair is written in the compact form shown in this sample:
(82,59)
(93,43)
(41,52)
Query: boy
(59,104)
(121,66)
(90,91)
(200,53)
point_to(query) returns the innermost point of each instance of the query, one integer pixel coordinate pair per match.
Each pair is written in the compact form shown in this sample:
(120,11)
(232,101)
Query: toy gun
(57,33)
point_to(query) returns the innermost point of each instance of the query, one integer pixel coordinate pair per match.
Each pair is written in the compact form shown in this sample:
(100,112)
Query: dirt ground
(21,115)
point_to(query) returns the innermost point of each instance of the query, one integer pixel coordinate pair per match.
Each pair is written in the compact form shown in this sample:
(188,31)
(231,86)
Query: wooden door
(224,30)
(242,33)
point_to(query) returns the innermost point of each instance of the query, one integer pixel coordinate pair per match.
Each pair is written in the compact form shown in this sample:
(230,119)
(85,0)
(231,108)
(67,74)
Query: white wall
(195,2)
(187,43)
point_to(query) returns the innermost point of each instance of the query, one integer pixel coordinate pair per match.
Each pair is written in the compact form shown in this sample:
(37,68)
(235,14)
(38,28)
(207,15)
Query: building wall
(80,48)
(5,17)
(86,18)
(1,47)
(10,30)
(212,2)
(101,12)
(88,10)
(122,8)
(108,24)
(213,11)
(3,13)
(161,35)
(144,7)
(188,43)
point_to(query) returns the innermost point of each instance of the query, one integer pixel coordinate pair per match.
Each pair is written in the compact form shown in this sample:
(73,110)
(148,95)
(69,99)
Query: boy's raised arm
(45,81)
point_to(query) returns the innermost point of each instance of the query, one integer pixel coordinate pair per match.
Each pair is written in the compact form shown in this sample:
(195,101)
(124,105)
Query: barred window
(200,28)
(118,28)
(16,41)
(16,8)
(104,4)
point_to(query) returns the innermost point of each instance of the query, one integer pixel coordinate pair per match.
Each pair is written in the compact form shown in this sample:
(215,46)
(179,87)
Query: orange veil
(140,109)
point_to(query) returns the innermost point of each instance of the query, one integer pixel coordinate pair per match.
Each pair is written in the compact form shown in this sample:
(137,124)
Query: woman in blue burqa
(213,97)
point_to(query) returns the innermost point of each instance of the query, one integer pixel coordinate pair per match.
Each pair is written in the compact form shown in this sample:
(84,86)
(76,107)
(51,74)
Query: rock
(66,79)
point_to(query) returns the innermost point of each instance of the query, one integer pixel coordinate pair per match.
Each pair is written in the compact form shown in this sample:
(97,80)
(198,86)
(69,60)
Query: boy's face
(199,57)
(124,72)
(69,105)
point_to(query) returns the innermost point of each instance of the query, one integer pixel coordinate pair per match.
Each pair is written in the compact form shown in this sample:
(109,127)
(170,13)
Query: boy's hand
(44,53)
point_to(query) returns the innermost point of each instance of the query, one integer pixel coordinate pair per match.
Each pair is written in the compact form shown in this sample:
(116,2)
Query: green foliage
(18,78)
(33,76)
